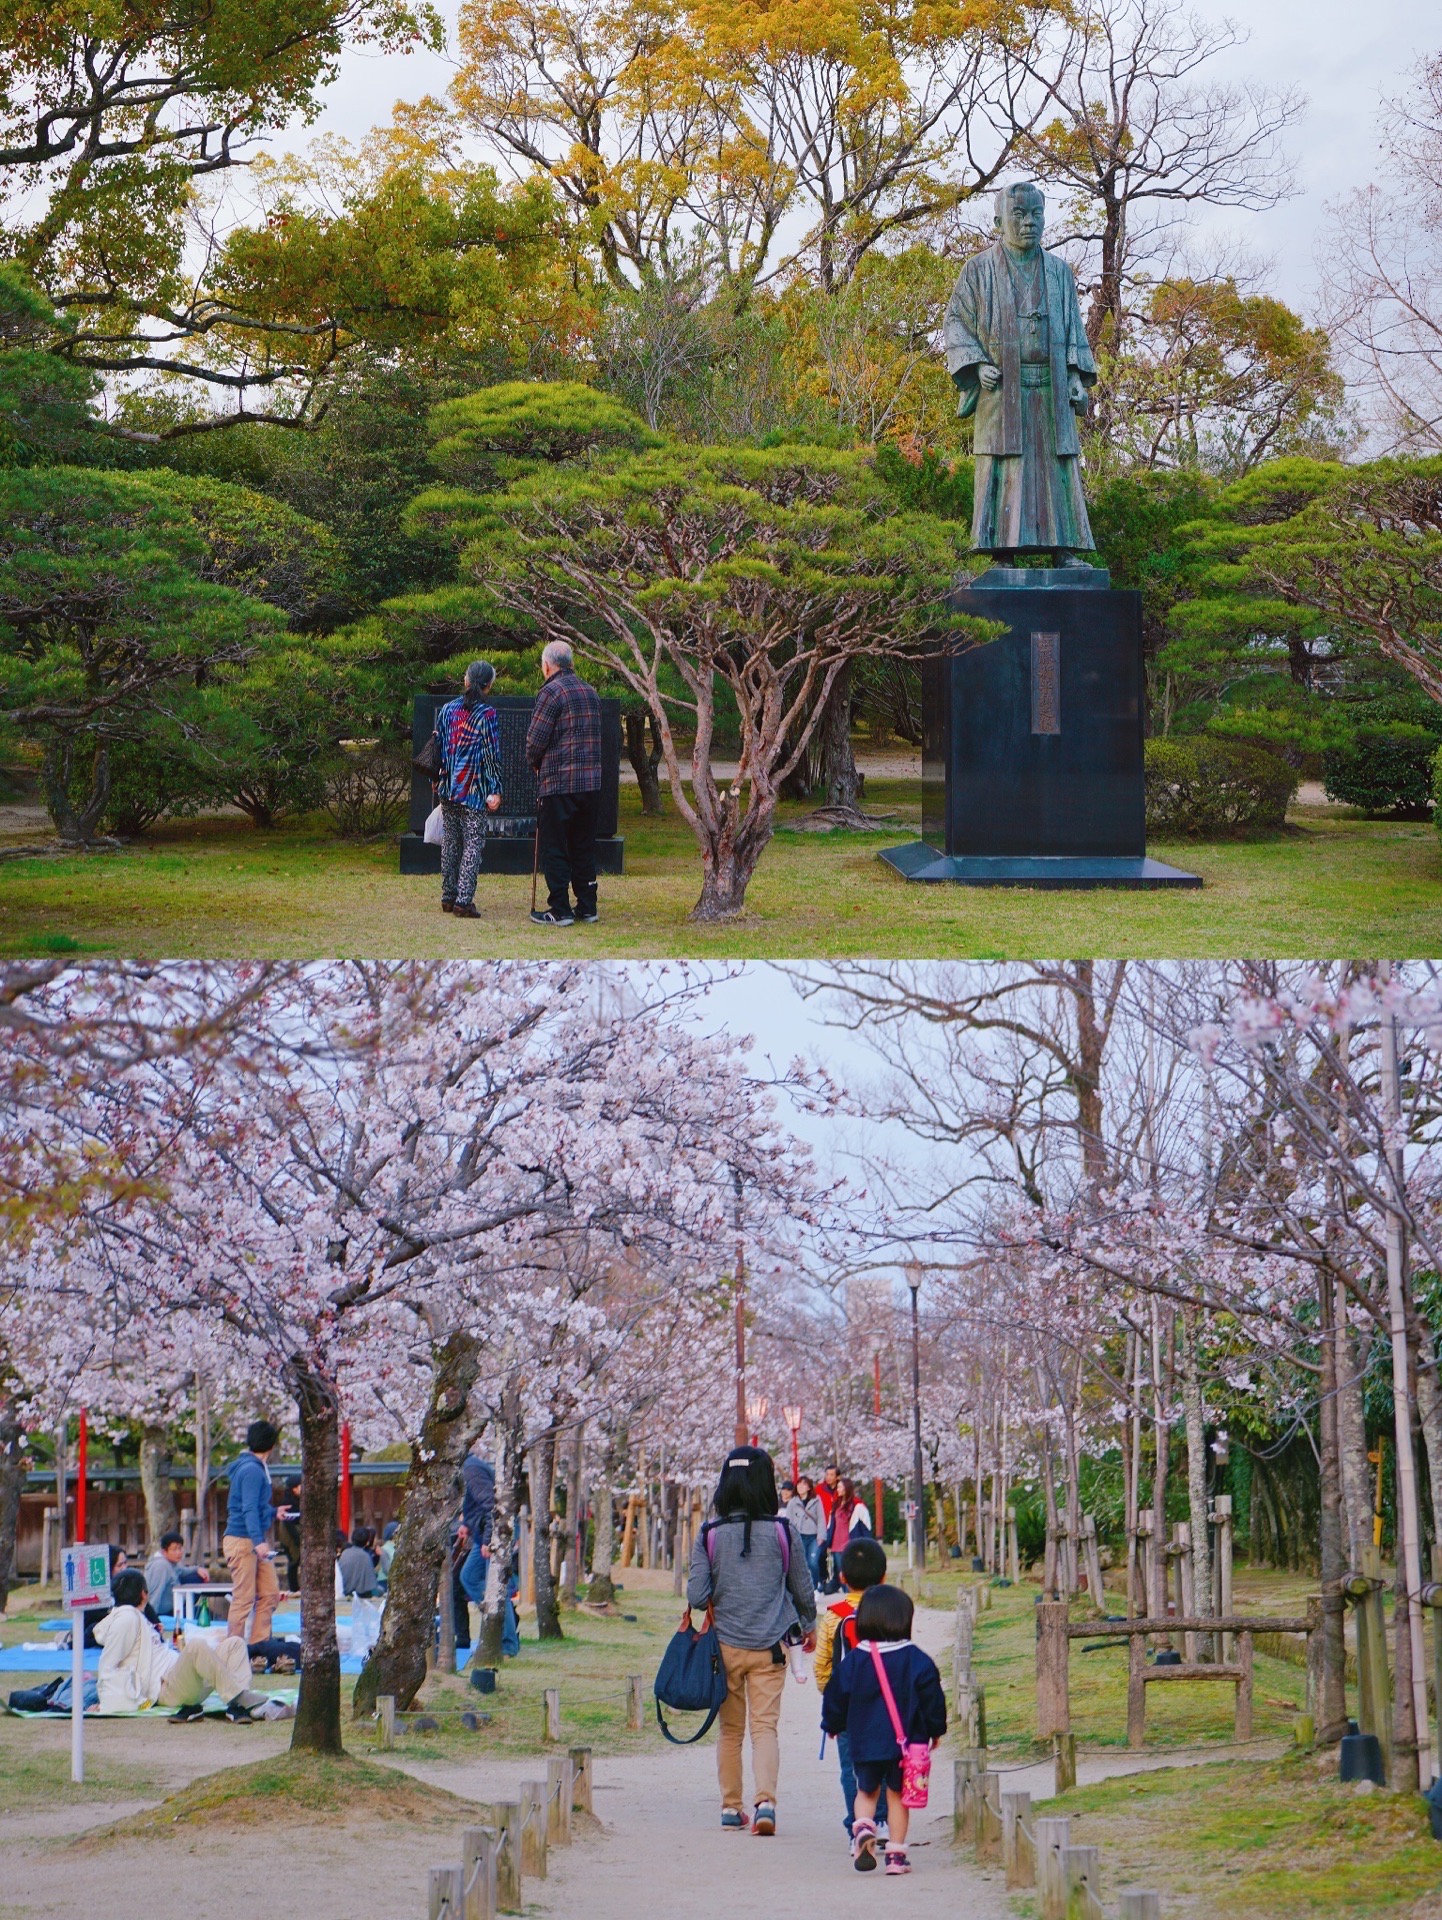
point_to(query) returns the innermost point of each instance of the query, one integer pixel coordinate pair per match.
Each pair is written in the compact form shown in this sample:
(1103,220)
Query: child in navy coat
(854,1704)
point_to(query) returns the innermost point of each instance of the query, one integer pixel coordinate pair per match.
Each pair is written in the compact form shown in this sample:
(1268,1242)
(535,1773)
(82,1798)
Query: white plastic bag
(365,1625)
(435,831)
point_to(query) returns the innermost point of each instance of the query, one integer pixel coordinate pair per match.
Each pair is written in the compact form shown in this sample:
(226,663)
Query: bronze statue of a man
(1016,348)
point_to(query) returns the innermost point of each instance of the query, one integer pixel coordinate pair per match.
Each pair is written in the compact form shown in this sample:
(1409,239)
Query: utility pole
(877,1490)
(1409,1543)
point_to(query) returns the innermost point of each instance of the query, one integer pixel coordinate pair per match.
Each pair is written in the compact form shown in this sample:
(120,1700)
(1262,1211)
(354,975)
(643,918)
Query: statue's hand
(1077,393)
(989,376)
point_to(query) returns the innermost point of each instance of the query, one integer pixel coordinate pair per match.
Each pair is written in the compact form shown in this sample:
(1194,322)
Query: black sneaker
(549,919)
(182,1714)
(587,916)
(239,1714)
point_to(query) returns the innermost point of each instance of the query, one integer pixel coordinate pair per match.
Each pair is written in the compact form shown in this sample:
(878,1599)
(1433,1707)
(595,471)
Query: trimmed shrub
(1202,788)
(367,790)
(1385,771)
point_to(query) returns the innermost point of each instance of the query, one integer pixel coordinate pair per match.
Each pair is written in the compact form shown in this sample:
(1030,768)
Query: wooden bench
(1140,1676)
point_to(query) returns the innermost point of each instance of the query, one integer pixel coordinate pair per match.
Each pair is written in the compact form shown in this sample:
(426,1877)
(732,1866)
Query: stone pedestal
(511,833)
(1033,771)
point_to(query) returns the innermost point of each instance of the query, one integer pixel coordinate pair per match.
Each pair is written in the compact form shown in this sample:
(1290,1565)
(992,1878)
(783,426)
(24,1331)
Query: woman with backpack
(849,1516)
(748,1569)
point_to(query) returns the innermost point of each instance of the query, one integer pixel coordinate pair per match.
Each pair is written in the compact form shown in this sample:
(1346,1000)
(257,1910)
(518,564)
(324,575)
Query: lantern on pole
(792,1417)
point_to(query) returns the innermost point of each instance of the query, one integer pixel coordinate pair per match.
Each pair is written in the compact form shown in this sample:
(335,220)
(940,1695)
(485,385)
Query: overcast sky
(1345,57)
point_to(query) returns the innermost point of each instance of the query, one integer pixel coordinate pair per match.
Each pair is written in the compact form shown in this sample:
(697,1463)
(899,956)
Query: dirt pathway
(661,1850)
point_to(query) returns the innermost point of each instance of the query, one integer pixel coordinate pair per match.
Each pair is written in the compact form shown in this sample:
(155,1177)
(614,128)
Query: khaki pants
(755,1685)
(255,1589)
(202,1670)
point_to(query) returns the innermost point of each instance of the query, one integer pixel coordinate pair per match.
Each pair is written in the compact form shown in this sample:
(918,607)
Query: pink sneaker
(896,1860)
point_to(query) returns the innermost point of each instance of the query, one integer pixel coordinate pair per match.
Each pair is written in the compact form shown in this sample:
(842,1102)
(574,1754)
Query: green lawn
(220,890)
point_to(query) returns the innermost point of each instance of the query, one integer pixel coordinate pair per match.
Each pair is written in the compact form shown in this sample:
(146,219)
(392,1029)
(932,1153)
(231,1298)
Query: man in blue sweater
(255,1589)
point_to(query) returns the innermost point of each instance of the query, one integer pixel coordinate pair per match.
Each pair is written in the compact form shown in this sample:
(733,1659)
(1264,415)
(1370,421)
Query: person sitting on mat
(138,1669)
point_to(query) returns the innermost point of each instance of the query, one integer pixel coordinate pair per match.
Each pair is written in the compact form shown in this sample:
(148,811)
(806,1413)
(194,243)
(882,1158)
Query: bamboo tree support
(581,1778)
(551,1715)
(1096,1592)
(635,1701)
(1186,1596)
(478,1864)
(446,1893)
(386,1722)
(533,1829)
(1374,1682)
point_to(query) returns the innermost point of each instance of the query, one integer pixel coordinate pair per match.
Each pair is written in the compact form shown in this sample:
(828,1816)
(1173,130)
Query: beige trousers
(202,1670)
(255,1588)
(755,1685)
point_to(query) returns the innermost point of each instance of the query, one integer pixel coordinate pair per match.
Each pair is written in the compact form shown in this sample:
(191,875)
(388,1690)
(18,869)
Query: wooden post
(1053,1654)
(1053,1834)
(1063,1753)
(1243,1726)
(1139,1903)
(446,1893)
(386,1722)
(1374,1683)
(581,1780)
(504,1819)
(1136,1691)
(1146,1555)
(964,1770)
(551,1715)
(478,1864)
(1186,1597)
(1081,1873)
(635,1701)
(1013,1548)
(1015,1814)
(988,1816)
(1222,1509)
(533,1830)
(1096,1593)
(558,1802)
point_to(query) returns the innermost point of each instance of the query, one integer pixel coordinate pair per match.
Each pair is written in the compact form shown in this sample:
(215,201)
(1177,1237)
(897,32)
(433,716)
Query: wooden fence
(511,1844)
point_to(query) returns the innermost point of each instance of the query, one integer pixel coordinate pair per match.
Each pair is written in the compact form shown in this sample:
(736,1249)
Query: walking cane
(535,862)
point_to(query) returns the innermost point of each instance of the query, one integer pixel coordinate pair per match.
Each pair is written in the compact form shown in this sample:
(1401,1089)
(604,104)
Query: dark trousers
(567,824)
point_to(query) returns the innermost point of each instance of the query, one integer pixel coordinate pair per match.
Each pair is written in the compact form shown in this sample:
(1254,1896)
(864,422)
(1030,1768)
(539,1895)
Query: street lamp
(792,1417)
(913,1271)
(756,1413)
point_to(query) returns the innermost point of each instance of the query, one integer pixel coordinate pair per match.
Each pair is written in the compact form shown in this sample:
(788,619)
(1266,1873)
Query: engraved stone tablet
(1046,683)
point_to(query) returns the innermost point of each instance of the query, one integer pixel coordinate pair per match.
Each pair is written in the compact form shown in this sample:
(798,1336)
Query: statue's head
(1021,214)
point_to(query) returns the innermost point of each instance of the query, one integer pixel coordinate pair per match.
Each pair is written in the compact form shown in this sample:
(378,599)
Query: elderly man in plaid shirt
(563,744)
(468,783)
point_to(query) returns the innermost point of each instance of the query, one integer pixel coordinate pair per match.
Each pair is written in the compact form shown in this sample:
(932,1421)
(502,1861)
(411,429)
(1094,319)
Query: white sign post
(84,1582)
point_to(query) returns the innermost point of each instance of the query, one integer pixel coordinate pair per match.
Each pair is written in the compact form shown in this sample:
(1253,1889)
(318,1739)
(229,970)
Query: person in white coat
(138,1669)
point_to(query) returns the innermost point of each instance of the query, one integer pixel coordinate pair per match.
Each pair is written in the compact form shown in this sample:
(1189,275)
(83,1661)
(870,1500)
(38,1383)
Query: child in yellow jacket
(863,1565)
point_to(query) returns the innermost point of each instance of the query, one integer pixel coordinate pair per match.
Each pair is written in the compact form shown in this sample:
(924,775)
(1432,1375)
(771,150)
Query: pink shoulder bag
(915,1754)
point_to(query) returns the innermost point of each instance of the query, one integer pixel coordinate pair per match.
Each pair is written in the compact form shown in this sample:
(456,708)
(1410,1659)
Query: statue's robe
(1023,317)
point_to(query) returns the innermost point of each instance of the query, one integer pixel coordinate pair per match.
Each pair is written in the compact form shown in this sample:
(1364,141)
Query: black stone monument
(511,835)
(1032,755)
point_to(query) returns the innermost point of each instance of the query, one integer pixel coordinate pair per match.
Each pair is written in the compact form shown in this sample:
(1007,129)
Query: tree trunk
(74,824)
(841,778)
(730,856)
(645,761)
(1352,1436)
(1429,1413)
(543,1472)
(1332,1714)
(155,1484)
(397,1663)
(503,1520)
(317,1716)
(602,1590)
(575,1516)
(1196,1472)
(12,1481)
